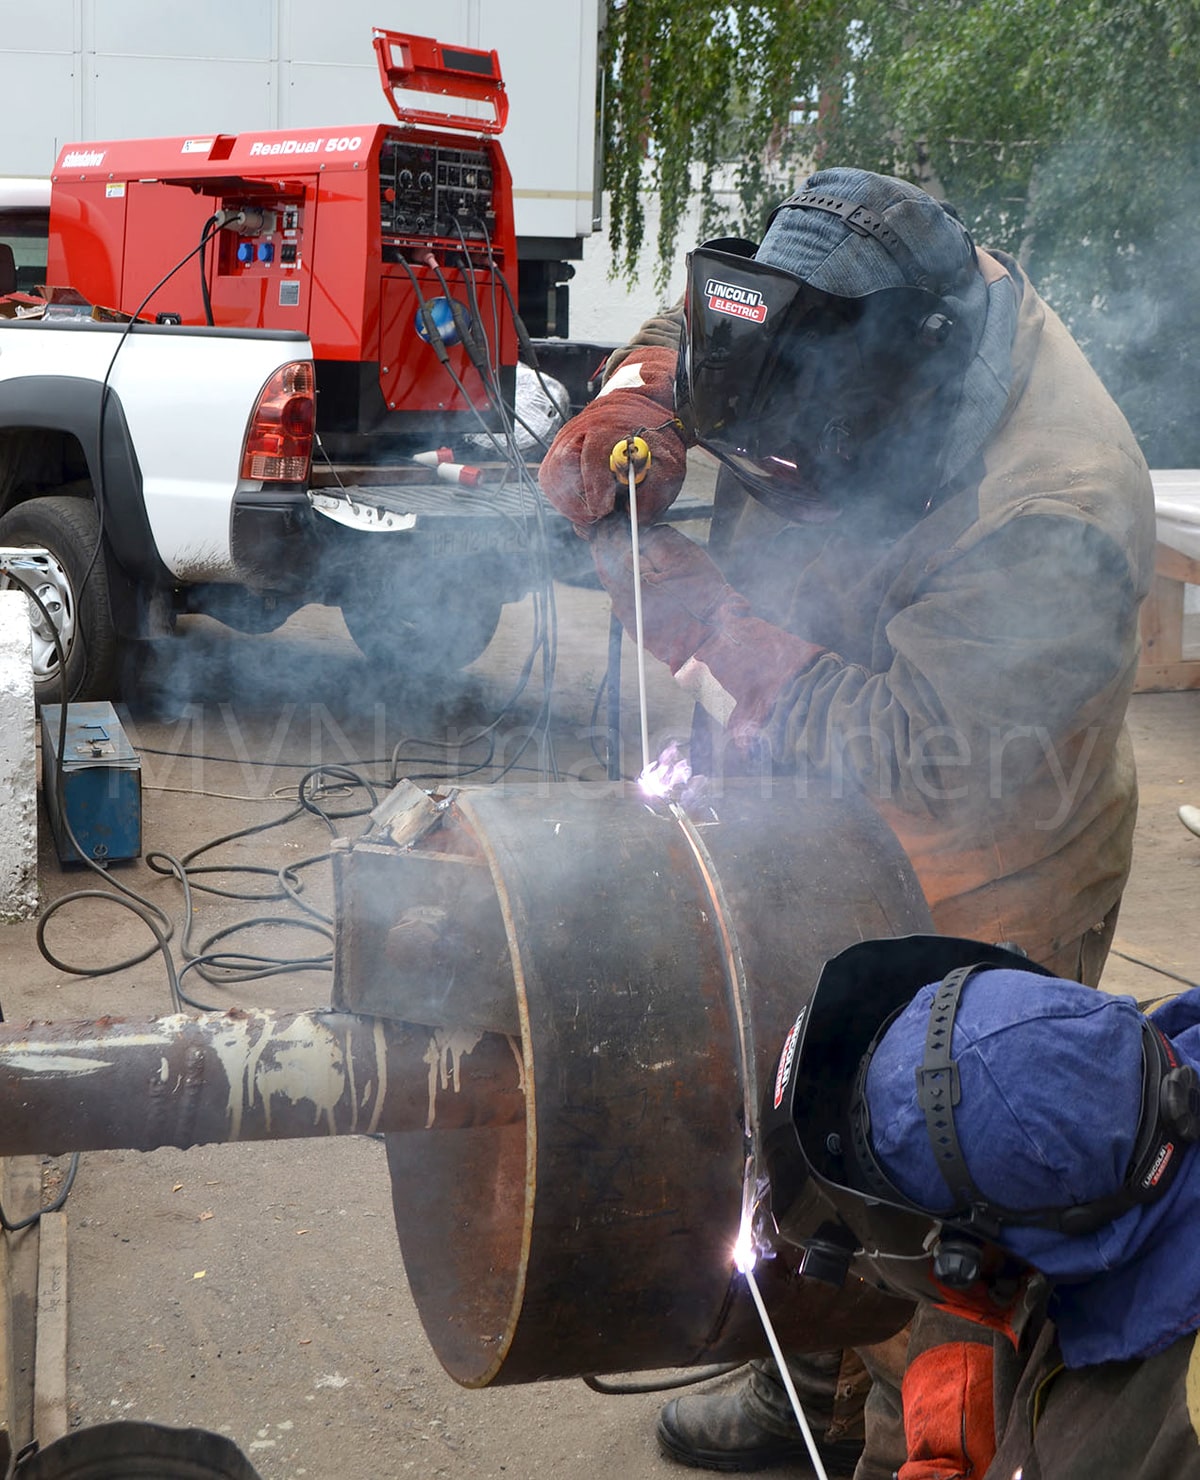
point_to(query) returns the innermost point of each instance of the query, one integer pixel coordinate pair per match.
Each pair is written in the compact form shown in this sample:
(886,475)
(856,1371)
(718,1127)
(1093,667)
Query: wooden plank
(1162,622)
(1157,678)
(7,1415)
(21,1195)
(50,1363)
(1175,565)
(1163,667)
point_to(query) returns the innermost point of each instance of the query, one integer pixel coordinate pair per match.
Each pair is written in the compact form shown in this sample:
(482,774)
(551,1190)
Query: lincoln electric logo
(83,159)
(1161,1161)
(739,303)
(784,1072)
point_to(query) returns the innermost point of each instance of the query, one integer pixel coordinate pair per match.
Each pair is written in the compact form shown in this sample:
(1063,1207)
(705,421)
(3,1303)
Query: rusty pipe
(246,1076)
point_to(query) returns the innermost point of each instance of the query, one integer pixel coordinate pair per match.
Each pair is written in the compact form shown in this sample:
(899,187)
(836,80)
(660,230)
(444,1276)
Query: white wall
(102,69)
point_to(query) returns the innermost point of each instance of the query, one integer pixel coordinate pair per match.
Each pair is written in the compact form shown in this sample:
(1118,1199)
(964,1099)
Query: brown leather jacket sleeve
(661,329)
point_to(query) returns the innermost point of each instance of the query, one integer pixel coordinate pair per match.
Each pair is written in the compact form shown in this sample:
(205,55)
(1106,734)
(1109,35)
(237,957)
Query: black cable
(545,615)
(225,967)
(100,493)
(205,237)
(51,1207)
(667,1385)
(140,905)
(1149,966)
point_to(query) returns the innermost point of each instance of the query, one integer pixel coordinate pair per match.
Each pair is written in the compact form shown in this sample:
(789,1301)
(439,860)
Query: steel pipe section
(649,963)
(246,1076)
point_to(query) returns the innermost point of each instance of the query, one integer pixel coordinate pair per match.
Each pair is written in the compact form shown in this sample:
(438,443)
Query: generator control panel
(433,190)
(356,236)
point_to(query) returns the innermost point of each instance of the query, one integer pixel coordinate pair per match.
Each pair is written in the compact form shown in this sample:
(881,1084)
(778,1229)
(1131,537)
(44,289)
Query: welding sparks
(668,775)
(745,1255)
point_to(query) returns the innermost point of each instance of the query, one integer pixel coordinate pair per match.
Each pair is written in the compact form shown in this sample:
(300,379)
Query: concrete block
(18,763)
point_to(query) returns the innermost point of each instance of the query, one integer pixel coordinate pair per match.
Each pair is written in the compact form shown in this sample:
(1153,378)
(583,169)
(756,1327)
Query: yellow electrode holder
(618,459)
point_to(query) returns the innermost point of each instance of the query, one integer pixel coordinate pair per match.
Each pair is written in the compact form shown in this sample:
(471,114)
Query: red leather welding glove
(735,664)
(949,1417)
(637,398)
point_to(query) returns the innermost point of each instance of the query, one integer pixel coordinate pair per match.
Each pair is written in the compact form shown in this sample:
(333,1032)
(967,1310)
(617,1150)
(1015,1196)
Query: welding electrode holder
(632,449)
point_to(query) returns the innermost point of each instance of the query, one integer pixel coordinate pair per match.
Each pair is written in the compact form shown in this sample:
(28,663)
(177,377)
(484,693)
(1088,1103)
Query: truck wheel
(68,528)
(404,630)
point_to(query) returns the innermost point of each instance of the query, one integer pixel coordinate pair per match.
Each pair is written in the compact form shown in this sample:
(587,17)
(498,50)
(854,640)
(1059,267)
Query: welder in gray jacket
(934,530)
(1019,1150)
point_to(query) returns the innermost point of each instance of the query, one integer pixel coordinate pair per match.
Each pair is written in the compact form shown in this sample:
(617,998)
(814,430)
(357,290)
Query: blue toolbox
(100,796)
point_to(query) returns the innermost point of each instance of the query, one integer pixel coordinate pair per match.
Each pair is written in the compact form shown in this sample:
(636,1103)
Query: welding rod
(639,642)
(781,1362)
(246,1076)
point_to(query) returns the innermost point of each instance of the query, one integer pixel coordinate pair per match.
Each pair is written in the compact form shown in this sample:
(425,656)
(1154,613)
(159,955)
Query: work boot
(754,1428)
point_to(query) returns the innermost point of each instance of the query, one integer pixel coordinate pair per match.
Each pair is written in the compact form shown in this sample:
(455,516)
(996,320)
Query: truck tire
(69,529)
(406,628)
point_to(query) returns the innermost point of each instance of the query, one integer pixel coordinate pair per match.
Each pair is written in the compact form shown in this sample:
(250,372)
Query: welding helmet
(802,359)
(938,1114)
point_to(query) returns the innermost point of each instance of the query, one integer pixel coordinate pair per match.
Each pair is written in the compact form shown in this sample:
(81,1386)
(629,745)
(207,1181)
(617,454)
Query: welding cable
(100,493)
(232,966)
(206,235)
(389,761)
(523,338)
(147,917)
(211,228)
(474,343)
(51,1207)
(138,903)
(1149,966)
(495,273)
(668,1384)
(227,967)
(468,271)
(437,343)
(545,636)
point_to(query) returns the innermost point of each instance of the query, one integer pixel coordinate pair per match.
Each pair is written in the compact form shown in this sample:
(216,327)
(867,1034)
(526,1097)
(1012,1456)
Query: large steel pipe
(246,1076)
(650,962)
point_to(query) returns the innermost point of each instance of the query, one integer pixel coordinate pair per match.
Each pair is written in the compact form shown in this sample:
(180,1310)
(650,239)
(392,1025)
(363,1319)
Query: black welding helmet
(826,1197)
(802,359)
(924,1093)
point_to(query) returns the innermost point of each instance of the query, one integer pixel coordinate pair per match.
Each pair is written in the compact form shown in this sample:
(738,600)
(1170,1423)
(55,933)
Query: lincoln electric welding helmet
(802,359)
(934,1116)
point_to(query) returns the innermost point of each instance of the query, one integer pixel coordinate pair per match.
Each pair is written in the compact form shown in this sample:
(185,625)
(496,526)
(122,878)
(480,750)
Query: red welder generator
(391,246)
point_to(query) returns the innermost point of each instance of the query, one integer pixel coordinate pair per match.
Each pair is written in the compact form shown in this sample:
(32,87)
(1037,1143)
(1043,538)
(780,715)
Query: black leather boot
(754,1428)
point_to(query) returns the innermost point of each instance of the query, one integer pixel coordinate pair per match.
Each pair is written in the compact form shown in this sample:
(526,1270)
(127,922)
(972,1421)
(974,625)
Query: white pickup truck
(167,470)
(158,509)
(153,465)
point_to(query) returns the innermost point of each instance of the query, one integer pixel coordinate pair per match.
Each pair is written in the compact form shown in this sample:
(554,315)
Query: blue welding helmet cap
(827,1195)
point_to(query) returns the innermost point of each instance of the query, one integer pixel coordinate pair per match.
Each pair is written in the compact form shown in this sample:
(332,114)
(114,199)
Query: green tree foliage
(691,86)
(1064,131)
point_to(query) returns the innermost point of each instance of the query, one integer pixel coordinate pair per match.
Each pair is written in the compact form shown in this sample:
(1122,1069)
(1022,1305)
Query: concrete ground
(259,1290)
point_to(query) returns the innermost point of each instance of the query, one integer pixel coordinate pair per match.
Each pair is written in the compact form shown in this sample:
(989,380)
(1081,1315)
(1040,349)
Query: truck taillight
(279,439)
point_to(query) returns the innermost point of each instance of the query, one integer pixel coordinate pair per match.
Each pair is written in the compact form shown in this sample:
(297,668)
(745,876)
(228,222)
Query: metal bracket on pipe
(407,814)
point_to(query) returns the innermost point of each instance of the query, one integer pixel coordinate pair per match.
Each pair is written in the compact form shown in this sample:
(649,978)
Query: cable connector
(461,473)
(246,221)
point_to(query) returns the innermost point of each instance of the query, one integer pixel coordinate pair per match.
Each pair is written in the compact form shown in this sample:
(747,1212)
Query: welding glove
(949,1419)
(638,398)
(735,664)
